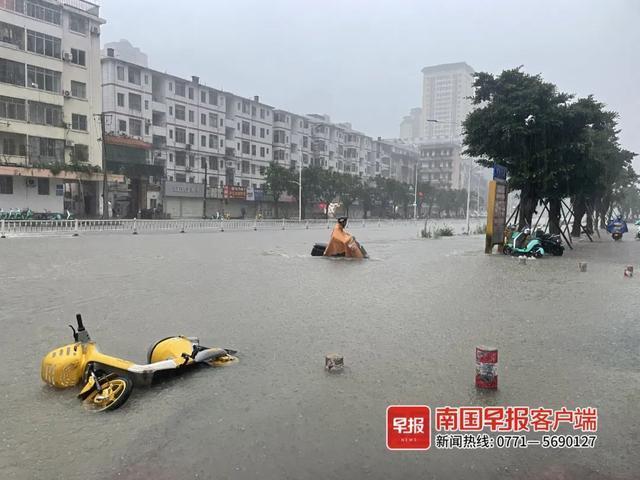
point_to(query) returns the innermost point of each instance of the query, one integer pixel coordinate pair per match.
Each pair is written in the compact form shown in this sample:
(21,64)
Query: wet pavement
(407,322)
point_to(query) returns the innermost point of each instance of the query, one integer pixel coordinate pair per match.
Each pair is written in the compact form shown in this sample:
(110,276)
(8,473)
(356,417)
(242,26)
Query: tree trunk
(589,223)
(528,202)
(275,208)
(554,216)
(578,213)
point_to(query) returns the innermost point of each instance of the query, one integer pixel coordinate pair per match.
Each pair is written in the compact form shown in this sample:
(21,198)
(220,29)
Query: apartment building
(171,131)
(411,125)
(446,101)
(396,160)
(49,128)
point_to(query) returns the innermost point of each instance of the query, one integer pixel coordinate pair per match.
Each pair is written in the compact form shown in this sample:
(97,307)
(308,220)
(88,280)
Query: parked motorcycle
(519,245)
(108,381)
(550,243)
(617,227)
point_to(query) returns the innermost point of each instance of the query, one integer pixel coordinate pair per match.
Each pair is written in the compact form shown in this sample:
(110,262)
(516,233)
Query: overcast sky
(360,60)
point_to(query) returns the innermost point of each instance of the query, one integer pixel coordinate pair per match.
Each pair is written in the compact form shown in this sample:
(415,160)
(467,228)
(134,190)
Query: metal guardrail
(135,226)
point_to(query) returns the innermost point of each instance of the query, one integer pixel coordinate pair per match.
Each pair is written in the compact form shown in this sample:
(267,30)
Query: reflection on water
(406,325)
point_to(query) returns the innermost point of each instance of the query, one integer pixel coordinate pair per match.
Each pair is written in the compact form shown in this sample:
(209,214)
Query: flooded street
(407,322)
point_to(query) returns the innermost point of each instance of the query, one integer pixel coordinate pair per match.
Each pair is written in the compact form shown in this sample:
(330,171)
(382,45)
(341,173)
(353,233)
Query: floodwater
(407,322)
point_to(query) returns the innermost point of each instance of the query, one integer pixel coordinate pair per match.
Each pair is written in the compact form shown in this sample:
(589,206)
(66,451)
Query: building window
(122,126)
(253,130)
(203,118)
(203,96)
(181,135)
(6,185)
(191,116)
(78,89)
(135,127)
(79,122)
(46,148)
(146,79)
(180,89)
(170,87)
(262,113)
(190,93)
(253,169)
(78,57)
(135,102)
(245,128)
(43,186)
(13,108)
(170,110)
(192,139)
(11,72)
(120,72)
(213,119)
(146,104)
(245,166)
(181,158)
(43,44)
(181,177)
(213,163)
(262,152)
(203,140)
(213,98)
(80,153)
(253,149)
(262,133)
(77,23)
(180,112)
(170,133)
(192,160)
(245,147)
(134,75)
(213,141)
(43,79)
(45,114)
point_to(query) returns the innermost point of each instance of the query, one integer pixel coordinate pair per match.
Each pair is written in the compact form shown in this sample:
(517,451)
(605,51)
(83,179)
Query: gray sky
(360,60)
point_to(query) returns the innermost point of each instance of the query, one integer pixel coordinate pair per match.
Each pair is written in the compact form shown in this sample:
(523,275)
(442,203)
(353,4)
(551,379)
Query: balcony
(87,7)
(230,152)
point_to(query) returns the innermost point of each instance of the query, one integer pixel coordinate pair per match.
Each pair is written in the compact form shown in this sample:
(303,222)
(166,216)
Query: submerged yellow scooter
(108,381)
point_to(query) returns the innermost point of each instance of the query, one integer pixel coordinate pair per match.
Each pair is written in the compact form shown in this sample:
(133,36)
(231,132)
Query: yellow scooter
(108,381)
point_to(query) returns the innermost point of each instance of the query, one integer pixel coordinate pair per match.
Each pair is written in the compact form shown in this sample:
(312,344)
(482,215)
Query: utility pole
(300,190)
(415,195)
(204,196)
(468,195)
(105,185)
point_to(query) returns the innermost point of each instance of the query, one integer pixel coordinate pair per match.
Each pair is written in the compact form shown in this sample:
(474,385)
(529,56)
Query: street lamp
(299,183)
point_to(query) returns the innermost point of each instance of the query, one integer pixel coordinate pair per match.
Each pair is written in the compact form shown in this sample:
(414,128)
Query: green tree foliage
(278,180)
(553,145)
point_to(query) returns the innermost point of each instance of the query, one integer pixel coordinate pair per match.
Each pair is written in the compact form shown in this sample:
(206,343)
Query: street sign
(496,214)
(499,172)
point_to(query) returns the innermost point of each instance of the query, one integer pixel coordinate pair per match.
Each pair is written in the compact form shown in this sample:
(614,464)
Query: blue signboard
(499,172)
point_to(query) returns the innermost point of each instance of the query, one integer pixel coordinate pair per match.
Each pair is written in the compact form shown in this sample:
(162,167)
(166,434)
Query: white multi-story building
(446,92)
(50,105)
(189,129)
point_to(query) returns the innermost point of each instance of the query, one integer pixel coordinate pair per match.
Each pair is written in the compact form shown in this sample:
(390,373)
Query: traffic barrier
(486,367)
(333,363)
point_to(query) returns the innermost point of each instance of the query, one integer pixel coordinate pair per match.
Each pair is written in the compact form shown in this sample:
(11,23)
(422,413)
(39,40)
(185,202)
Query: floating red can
(486,367)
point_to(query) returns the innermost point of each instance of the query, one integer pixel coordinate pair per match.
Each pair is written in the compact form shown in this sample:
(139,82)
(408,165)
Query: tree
(349,187)
(277,181)
(518,124)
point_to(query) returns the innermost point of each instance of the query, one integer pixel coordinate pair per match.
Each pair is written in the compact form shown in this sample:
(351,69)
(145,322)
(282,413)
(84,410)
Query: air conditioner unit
(95,30)
(31,182)
(188,147)
(229,163)
(67,93)
(147,121)
(68,143)
(66,56)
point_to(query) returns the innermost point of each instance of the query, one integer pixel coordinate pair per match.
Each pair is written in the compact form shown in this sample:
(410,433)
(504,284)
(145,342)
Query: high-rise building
(446,101)
(49,107)
(410,127)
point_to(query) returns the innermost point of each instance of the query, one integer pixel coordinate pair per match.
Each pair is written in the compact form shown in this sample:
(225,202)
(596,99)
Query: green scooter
(533,247)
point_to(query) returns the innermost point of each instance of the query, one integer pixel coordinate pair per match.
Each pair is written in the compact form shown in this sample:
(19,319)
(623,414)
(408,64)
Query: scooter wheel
(115,391)
(537,254)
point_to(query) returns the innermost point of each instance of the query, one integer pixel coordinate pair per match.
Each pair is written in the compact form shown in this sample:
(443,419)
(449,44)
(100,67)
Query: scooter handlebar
(79,320)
